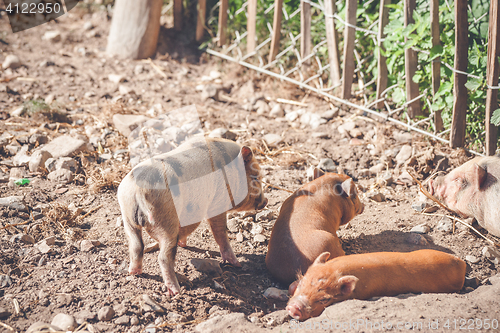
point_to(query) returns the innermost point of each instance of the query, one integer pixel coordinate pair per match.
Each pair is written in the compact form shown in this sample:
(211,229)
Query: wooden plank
(134,29)
(332,40)
(178,15)
(457,134)
(382,61)
(436,64)
(275,39)
(492,71)
(411,62)
(224,6)
(251,24)
(349,40)
(200,22)
(305,30)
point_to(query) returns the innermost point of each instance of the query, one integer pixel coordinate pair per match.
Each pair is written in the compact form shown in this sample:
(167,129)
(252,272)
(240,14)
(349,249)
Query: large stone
(38,159)
(234,322)
(13,202)
(64,321)
(106,313)
(126,123)
(64,146)
(62,176)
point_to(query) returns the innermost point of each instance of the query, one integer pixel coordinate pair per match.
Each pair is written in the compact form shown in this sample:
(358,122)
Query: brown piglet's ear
(246,153)
(317,173)
(480,175)
(322,258)
(347,284)
(349,188)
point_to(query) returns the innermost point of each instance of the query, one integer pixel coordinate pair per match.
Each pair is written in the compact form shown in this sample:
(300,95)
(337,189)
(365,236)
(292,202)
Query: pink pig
(473,190)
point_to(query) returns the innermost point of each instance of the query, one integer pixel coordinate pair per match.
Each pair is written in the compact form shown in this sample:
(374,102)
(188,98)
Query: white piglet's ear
(480,175)
(349,188)
(322,258)
(347,284)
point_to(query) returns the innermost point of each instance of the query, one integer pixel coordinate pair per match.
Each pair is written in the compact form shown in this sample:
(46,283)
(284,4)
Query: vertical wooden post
(332,41)
(492,70)
(305,30)
(436,64)
(382,61)
(457,134)
(349,40)
(224,5)
(411,59)
(200,22)
(178,15)
(275,39)
(251,24)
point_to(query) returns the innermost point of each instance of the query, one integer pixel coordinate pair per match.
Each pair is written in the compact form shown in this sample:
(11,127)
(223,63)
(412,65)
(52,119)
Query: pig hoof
(136,271)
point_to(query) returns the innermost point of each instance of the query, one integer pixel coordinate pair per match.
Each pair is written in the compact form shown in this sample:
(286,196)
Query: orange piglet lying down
(362,276)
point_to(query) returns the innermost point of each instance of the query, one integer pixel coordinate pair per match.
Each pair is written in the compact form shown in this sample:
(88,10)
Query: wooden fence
(413,104)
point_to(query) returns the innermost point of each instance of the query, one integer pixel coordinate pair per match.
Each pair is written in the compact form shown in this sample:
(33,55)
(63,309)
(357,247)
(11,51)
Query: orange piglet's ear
(347,284)
(317,173)
(322,258)
(247,154)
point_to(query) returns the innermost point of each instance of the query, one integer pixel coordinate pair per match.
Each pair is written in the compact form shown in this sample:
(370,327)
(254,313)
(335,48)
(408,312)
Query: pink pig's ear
(322,258)
(480,175)
(247,154)
(347,284)
(317,173)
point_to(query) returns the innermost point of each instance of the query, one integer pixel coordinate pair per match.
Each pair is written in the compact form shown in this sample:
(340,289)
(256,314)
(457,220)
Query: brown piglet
(362,276)
(170,194)
(308,222)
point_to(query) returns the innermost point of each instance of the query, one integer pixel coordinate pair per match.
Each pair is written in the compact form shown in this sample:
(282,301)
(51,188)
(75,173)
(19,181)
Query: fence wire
(313,71)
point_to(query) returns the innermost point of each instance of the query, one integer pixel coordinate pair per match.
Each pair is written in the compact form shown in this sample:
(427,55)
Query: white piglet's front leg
(219,230)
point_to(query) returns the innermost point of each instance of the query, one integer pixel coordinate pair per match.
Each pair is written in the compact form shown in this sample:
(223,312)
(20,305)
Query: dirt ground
(36,284)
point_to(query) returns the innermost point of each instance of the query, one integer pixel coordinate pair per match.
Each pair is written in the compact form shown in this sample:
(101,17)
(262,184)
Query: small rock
(88,25)
(223,133)
(13,202)
(277,111)
(23,238)
(404,154)
(320,135)
(150,305)
(445,225)
(210,91)
(264,215)
(472,259)
(67,163)
(330,114)
(62,176)
(11,61)
(123,320)
(405,178)
(262,107)
(138,69)
(52,36)
(65,146)
(21,158)
(421,229)
(206,265)
(85,315)
(402,137)
(259,238)
(492,254)
(106,313)
(115,78)
(50,164)
(4,313)
(256,229)
(275,293)
(385,179)
(272,140)
(38,139)
(5,281)
(49,99)
(417,239)
(64,321)
(44,248)
(292,116)
(375,196)
(239,237)
(173,317)
(124,90)
(86,245)
(40,326)
(356,133)
(376,169)
(356,142)
(126,123)
(38,159)
(327,164)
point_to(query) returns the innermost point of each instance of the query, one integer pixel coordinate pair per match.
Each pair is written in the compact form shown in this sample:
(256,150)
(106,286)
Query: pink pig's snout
(297,309)
(437,187)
